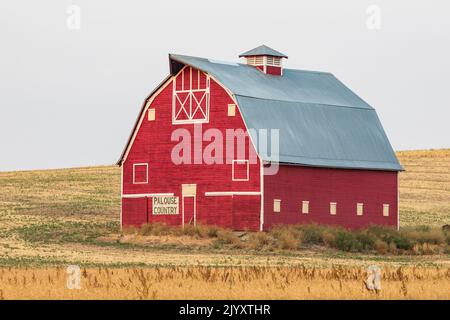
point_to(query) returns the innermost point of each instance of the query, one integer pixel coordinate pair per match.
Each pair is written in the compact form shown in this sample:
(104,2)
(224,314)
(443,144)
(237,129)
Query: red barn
(250,145)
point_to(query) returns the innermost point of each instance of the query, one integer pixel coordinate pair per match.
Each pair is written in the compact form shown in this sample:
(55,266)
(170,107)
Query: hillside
(425,187)
(72,215)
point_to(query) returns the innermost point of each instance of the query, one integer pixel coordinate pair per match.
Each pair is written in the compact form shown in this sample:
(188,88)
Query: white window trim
(335,208)
(279,205)
(232,170)
(231,107)
(134,172)
(386,206)
(305,202)
(360,205)
(151,116)
(146,195)
(231,193)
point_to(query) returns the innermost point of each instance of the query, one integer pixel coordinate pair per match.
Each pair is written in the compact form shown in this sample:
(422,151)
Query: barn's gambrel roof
(321,121)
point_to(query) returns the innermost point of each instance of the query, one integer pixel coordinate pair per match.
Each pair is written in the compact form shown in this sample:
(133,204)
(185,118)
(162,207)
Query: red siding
(273,70)
(153,145)
(320,186)
(135,211)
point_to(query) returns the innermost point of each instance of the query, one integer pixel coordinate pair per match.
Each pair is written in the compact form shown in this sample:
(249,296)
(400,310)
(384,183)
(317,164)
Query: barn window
(359,209)
(190,101)
(333,209)
(140,173)
(386,210)
(240,170)
(305,207)
(151,114)
(276,205)
(231,110)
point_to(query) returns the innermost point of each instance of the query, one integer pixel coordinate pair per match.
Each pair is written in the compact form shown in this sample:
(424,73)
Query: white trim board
(121,192)
(232,193)
(261,183)
(134,172)
(248,169)
(146,195)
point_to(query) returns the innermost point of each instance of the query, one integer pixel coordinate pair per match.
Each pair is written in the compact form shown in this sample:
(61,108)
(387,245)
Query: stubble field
(54,218)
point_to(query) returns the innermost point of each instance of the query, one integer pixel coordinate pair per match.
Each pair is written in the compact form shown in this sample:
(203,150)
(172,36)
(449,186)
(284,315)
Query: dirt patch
(156,240)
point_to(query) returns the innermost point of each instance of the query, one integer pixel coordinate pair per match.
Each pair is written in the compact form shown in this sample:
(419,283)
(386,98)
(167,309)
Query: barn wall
(294,184)
(274,70)
(153,145)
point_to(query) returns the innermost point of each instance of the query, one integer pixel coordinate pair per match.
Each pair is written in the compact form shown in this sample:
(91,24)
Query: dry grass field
(52,218)
(225,283)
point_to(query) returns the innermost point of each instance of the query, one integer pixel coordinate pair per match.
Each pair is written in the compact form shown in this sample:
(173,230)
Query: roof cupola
(265,59)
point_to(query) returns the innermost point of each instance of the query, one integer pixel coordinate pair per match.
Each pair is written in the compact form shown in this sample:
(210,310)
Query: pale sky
(69,97)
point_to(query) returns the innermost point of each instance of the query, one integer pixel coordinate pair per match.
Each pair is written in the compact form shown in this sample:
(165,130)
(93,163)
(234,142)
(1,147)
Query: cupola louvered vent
(265,59)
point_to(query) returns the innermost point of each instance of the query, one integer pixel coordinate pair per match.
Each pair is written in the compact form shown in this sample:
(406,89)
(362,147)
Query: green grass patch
(66,232)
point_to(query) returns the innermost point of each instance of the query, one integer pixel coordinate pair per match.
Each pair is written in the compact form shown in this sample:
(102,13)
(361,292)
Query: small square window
(240,170)
(305,207)
(359,209)
(140,173)
(385,210)
(276,205)
(333,208)
(151,114)
(231,110)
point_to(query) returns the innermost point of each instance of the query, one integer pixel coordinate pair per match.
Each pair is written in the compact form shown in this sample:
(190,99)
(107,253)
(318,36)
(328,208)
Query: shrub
(329,238)
(391,235)
(393,248)
(288,241)
(129,230)
(424,234)
(190,230)
(259,240)
(312,234)
(346,241)
(144,230)
(228,237)
(162,229)
(213,232)
(380,246)
(402,243)
(287,237)
(365,239)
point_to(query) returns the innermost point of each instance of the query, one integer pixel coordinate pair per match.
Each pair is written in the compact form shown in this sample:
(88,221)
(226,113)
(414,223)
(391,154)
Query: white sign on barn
(165,205)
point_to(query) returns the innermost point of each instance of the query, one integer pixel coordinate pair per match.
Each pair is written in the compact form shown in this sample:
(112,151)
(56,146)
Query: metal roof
(321,122)
(263,51)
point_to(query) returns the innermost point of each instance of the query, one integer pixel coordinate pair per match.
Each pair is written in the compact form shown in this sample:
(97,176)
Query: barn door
(189,192)
(188,210)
